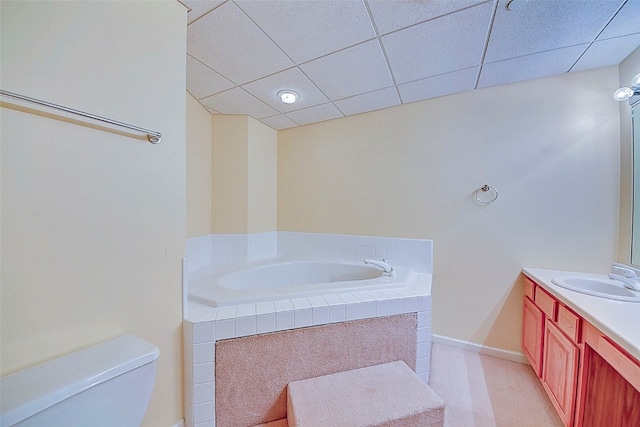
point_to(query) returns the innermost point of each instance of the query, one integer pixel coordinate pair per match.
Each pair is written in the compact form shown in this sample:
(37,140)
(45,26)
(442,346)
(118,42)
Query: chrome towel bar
(152,136)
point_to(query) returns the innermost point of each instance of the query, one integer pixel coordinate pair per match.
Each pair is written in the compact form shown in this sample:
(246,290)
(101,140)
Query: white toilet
(106,385)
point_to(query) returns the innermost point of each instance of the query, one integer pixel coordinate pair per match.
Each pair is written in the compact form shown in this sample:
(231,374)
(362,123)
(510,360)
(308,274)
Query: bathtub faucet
(383,265)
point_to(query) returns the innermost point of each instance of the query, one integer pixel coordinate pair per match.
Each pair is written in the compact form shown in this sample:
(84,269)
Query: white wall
(628,68)
(550,147)
(93,221)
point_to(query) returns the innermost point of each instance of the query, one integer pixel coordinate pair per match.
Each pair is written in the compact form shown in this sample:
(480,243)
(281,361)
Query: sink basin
(599,287)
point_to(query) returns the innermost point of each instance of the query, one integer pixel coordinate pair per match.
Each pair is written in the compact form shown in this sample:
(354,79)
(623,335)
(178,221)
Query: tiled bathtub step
(390,394)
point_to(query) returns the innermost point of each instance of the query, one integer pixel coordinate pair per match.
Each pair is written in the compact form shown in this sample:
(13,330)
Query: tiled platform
(200,335)
(204,325)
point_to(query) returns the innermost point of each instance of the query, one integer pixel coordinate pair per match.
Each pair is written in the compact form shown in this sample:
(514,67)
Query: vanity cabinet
(590,380)
(609,388)
(550,338)
(560,371)
(532,330)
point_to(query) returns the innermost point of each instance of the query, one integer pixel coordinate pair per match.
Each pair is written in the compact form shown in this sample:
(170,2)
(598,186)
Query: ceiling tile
(626,21)
(227,41)
(545,25)
(279,122)
(444,84)
(267,89)
(607,52)
(237,101)
(315,114)
(393,15)
(352,71)
(413,54)
(528,67)
(242,52)
(309,29)
(369,101)
(202,81)
(199,8)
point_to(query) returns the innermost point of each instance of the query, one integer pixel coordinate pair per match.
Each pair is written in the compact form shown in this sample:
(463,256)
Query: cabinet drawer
(546,303)
(529,286)
(569,323)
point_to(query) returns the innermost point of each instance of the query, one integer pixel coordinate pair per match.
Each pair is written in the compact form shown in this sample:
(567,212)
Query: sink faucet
(383,265)
(627,276)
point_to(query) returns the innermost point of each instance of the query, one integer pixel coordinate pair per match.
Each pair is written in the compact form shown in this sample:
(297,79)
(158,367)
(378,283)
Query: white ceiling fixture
(626,92)
(288,96)
(352,56)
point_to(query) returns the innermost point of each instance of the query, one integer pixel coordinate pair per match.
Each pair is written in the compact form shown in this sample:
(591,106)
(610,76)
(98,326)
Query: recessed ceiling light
(288,96)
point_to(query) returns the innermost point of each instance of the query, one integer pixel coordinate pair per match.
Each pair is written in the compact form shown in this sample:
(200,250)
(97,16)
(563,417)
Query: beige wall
(198,169)
(263,178)
(628,68)
(551,148)
(243,175)
(229,173)
(93,222)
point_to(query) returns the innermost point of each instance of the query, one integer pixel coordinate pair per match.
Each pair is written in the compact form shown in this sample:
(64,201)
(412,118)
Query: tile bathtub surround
(262,245)
(223,250)
(198,252)
(226,250)
(204,325)
(412,253)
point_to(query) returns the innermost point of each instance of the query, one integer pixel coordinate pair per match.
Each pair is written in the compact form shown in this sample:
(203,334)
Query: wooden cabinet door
(532,331)
(560,371)
(609,389)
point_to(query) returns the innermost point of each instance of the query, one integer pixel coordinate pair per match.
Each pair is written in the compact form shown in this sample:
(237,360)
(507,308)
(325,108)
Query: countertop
(620,320)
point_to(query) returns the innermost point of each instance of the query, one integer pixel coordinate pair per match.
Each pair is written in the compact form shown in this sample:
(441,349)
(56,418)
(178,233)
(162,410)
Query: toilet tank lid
(29,391)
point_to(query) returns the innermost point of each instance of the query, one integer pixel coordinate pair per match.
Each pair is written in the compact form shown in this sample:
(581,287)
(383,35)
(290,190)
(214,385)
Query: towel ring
(485,194)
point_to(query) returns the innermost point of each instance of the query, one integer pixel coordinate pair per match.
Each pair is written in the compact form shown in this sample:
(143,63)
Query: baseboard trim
(180,424)
(481,349)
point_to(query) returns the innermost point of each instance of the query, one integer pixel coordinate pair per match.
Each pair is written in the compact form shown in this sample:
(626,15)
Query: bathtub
(286,279)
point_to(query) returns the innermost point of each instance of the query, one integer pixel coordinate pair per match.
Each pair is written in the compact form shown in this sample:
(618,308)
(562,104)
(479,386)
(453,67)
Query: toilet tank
(106,385)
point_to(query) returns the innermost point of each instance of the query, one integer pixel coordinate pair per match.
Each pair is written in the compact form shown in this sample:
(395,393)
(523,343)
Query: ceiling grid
(347,57)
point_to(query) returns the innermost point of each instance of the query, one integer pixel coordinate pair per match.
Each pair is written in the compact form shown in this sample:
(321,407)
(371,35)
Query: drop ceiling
(346,57)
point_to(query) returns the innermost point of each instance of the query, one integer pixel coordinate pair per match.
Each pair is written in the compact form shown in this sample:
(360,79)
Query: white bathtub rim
(419,286)
(297,273)
(212,269)
(203,291)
